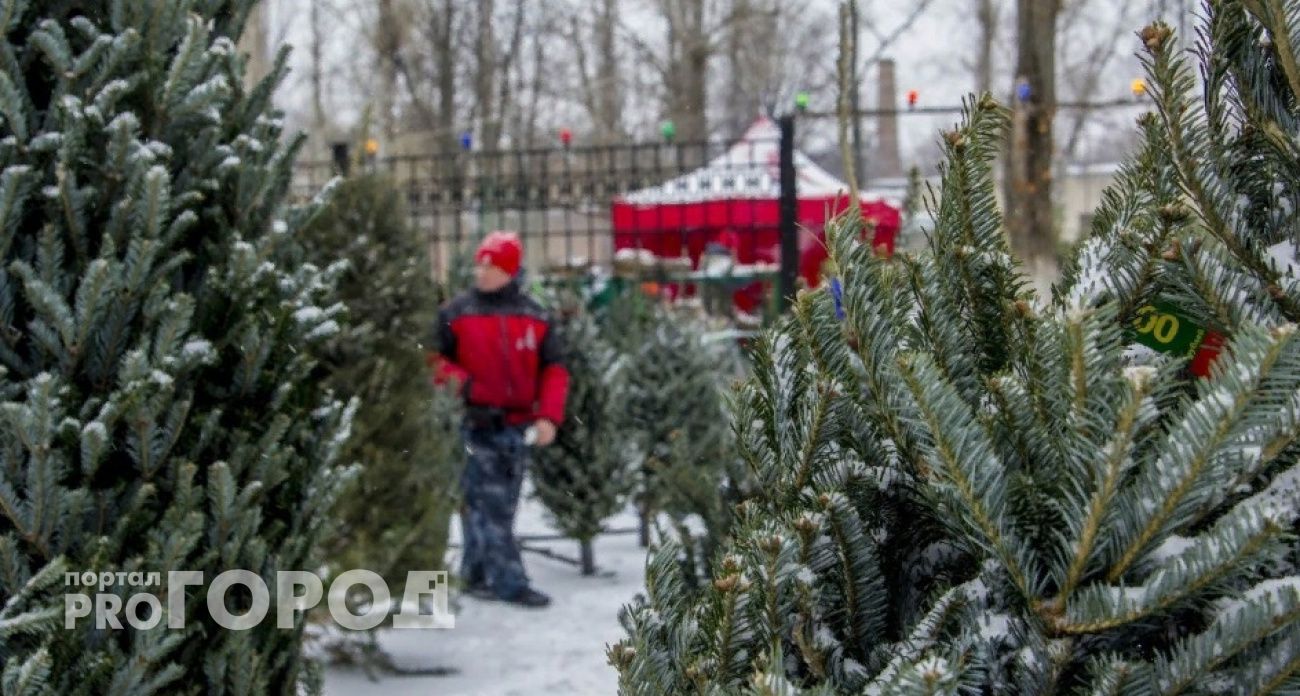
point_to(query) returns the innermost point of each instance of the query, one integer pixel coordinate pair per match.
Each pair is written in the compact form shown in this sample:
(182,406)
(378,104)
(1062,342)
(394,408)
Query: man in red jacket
(498,345)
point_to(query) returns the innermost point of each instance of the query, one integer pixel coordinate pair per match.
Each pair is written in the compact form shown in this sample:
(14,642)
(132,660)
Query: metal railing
(562,199)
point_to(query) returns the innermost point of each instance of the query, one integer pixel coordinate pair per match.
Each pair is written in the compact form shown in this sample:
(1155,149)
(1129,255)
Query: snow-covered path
(499,650)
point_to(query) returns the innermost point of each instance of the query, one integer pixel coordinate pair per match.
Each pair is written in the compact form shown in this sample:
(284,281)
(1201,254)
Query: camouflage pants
(494,476)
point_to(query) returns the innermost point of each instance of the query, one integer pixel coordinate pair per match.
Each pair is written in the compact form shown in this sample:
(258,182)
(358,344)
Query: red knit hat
(501,249)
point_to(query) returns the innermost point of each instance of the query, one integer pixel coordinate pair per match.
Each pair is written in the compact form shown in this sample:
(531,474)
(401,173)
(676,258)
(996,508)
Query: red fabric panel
(749,227)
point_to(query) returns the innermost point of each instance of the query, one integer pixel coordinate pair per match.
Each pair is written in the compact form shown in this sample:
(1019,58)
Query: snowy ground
(499,650)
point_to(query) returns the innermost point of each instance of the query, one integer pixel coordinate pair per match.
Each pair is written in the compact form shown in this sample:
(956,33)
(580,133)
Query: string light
(1024,91)
(668,130)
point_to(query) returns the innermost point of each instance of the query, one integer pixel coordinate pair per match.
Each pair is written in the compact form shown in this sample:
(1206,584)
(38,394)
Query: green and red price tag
(1161,327)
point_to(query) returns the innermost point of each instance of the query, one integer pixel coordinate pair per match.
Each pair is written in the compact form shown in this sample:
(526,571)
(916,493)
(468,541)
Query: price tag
(1161,327)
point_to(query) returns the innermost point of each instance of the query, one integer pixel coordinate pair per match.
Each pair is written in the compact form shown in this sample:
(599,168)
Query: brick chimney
(889,164)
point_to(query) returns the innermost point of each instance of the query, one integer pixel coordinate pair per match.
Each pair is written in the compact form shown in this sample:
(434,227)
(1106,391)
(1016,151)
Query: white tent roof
(748,169)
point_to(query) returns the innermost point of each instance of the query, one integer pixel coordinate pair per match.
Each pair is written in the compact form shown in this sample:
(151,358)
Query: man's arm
(442,359)
(553,387)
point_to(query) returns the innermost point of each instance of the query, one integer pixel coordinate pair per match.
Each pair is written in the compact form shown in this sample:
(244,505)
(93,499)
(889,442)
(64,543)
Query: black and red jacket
(501,348)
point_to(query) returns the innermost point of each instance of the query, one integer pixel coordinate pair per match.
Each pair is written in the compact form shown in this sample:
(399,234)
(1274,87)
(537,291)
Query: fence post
(342,158)
(789,208)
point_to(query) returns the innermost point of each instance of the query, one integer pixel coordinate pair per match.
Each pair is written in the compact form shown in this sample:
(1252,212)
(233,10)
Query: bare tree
(1028,182)
(425,65)
(485,73)
(492,68)
(689,50)
(986,17)
(737,104)
(318,119)
(696,33)
(600,85)
(442,26)
(253,43)
(389,42)
(773,50)
(528,125)
(1096,52)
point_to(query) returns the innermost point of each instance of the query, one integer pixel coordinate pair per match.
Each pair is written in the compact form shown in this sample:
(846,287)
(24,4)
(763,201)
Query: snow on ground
(500,650)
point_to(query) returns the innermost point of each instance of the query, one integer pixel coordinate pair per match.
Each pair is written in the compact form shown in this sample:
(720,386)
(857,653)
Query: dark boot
(530,598)
(480,590)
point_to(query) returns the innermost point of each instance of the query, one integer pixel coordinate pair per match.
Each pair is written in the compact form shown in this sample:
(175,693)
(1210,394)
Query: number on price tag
(1160,327)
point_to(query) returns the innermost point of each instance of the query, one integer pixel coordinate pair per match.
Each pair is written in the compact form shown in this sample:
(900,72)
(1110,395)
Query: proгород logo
(296,591)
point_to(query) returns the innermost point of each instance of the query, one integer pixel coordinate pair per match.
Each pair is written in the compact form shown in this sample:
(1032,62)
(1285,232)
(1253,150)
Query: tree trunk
(1028,178)
(694,125)
(609,87)
(644,529)
(445,63)
(318,119)
(254,43)
(485,71)
(987,18)
(686,78)
(737,109)
(388,47)
(505,95)
(855,102)
(588,555)
(535,91)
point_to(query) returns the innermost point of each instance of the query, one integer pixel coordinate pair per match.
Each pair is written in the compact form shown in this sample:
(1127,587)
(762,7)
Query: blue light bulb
(837,294)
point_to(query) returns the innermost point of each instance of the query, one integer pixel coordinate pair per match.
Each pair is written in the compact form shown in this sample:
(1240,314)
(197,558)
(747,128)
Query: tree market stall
(730,208)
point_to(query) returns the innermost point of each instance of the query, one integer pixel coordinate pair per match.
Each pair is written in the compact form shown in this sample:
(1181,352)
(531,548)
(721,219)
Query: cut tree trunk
(645,528)
(588,555)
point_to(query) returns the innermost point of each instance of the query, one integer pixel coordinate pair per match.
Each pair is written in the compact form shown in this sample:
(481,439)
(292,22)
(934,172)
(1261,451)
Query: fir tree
(675,415)
(158,411)
(962,492)
(395,516)
(1204,218)
(584,478)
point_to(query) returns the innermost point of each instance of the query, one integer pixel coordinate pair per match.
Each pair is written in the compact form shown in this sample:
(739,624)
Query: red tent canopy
(733,202)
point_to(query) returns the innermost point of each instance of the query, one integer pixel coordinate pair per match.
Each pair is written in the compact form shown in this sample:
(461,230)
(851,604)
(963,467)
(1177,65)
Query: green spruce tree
(584,478)
(676,418)
(395,517)
(963,492)
(155,358)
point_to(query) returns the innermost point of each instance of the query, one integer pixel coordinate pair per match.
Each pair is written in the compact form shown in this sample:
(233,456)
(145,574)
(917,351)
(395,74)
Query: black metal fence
(574,205)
